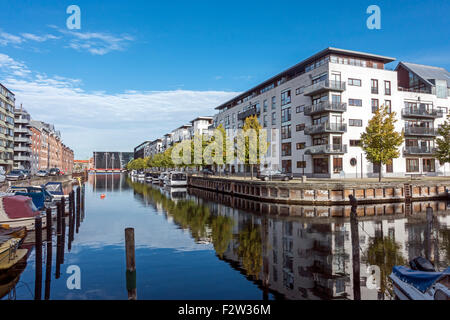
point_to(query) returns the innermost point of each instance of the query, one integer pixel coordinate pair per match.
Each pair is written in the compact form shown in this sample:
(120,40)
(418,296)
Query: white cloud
(33,37)
(99,121)
(7,38)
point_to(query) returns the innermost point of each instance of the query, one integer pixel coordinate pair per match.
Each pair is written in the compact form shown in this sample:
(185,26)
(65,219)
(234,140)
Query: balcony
(421,131)
(416,150)
(23,130)
(22,120)
(248,113)
(22,158)
(326,128)
(323,86)
(327,149)
(422,113)
(22,149)
(325,107)
(22,139)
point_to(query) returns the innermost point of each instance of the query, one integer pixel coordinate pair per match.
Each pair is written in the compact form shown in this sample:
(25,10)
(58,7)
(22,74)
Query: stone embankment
(323,192)
(35,181)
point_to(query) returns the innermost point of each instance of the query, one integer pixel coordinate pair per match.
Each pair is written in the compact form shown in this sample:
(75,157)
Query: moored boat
(421,281)
(177,179)
(10,253)
(19,211)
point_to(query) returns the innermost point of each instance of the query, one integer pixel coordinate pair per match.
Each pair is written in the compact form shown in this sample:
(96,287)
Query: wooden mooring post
(38,250)
(78,201)
(48,260)
(131,263)
(63,229)
(355,248)
(428,232)
(58,240)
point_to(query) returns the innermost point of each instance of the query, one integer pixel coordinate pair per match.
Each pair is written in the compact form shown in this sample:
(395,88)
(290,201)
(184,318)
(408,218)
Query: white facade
(200,126)
(181,133)
(323,104)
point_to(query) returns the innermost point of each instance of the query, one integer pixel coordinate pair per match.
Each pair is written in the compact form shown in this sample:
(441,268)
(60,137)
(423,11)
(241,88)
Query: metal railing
(419,150)
(421,131)
(434,113)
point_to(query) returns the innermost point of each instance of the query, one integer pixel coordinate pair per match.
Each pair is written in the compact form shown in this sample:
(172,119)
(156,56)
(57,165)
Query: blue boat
(41,198)
(421,281)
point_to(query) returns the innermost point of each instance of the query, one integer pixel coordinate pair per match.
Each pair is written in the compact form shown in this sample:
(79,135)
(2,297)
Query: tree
(248,143)
(443,144)
(380,141)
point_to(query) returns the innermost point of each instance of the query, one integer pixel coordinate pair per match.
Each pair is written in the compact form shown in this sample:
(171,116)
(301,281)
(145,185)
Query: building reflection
(306,255)
(108,182)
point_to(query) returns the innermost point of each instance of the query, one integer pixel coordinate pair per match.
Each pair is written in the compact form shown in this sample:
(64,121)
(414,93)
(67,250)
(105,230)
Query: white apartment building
(181,133)
(200,126)
(166,141)
(22,139)
(321,106)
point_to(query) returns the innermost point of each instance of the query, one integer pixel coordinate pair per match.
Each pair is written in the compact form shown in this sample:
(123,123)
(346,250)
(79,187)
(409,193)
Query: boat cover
(54,188)
(421,280)
(37,194)
(17,207)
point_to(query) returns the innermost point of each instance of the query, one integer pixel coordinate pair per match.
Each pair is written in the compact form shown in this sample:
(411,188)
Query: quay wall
(323,193)
(35,181)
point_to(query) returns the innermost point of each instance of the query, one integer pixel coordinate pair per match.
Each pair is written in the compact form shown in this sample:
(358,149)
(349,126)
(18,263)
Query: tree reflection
(385,253)
(249,248)
(222,234)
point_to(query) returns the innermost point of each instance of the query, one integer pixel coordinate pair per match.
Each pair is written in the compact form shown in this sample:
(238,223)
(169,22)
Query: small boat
(10,253)
(19,211)
(56,190)
(39,195)
(155,178)
(163,177)
(148,177)
(421,281)
(177,179)
(18,232)
(141,175)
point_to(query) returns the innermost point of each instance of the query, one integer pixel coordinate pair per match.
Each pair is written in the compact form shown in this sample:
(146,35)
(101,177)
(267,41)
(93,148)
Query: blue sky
(138,69)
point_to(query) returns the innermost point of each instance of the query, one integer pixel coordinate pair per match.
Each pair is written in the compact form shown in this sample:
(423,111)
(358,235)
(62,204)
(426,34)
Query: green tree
(252,123)
(380,141)
(443,142)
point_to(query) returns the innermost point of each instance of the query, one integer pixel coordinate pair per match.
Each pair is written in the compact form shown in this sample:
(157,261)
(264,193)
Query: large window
(300,109)
(355,122)
(374,86)
(388,104)
(265,106)
(286,97)
(274,118)
(286,166)
(300,127)
(412,165)
(286,115)
(286,132)
(428,165)
(355,102)
(274,103)
(320,165)
(354,82)
(337,165)
(375,105)
(300,145)
(355,143)
(286,149)
(301,164)
(387,88)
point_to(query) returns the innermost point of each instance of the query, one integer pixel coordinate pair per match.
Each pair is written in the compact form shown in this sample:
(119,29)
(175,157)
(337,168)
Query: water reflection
(303,255)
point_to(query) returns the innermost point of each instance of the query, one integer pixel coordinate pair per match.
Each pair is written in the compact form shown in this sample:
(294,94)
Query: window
(354,82)
(265,121)
(387,103)
(387,88)
(355,143)
(286,132)
(285,97)
(299,90)
(286,166)
(286,149)
(390,166)
(374,105)
(320,165)
(274,103)
(355,102)
(376,168)
(428,165)
(300,127)
(265,106)
(374,88)
(286,115)
(337,165)
(300,145)
(300,109)
(412,165)
(355,122)
(301,164)
(274,118)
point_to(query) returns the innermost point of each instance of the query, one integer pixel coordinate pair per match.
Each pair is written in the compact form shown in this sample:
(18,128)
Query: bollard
(38,267)
(78,210)
(63,234)
(131,264)
(58,241)
(48,217)
(355,249)
(428,231)
(69,238)
(48,264)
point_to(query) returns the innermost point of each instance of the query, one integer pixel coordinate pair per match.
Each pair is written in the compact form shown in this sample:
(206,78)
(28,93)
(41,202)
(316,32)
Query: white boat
(148,177)
(141,175)
(19,211)
(155,178)
(421,281)
(177,179)
(163,177)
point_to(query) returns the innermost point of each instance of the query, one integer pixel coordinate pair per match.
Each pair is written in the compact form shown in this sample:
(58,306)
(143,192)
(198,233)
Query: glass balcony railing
(325,107)
(420,131)
(326,127)
(424,113)
(324,85)
(327,149)
(419,150)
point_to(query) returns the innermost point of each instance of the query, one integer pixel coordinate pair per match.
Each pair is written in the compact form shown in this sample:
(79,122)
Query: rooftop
(427,73)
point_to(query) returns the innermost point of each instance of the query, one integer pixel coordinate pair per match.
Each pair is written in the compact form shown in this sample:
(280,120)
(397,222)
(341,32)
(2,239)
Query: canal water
(193,244)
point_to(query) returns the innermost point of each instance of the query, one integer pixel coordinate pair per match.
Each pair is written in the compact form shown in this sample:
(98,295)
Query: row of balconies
(342,148)
(422,113)
(416,150)
(325,107)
